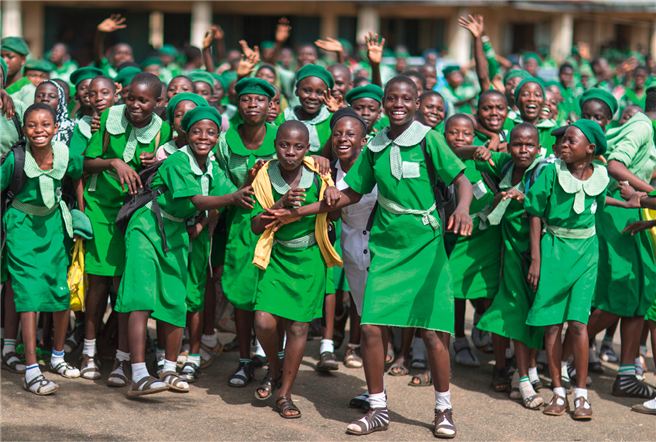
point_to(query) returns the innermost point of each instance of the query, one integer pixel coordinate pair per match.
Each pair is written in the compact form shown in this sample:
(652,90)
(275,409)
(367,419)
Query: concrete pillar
(652,40)
(156,29)
(459,38)
(329,25)
(33,33)
(562,31)
(11,18)
(368,20)
(201,20)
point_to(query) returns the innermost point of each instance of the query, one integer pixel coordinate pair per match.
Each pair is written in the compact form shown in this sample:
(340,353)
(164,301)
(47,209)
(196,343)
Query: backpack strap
(157,138)
(19,177)
(19,129)
(105,143)
(533,174)
(158,214)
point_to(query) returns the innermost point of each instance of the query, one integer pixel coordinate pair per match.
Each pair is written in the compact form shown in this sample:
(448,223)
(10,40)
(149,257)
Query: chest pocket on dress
(410,169)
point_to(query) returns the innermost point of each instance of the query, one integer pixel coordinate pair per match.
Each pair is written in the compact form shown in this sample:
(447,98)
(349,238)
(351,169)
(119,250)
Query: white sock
(581,392)
(638,363)
(122,356)
(592,356)
(31,372)
(259,351)
(193,359)
(57,357)
(169,366)
(418,349)
(353,346)
(89,347)
(643,350)
(210,340)
(10,346)
(651,404)
(442,400)
(563,370)
(525,387)
(327,345)
(139,371)
(560,391)
(533,374)
(377,400)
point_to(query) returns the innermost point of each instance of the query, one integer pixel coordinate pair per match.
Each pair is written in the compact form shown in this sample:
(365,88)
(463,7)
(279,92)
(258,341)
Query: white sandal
(43,388)
(65,369)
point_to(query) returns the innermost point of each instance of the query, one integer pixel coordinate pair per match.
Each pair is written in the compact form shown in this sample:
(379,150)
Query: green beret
(85,73)
(81,224)
(151,61)
(267,44)
(228,77)
(525,82)
(14,44)
(602,95)
(369,91)
(594,134)
(532,56)
(178,98)
(254,86)
(125,75)
(168,49)
(36,64)
(449,69)
(222,81)
(3,66)
(202,76)
(313,70)
(201,113)
(521,73)
(586,70)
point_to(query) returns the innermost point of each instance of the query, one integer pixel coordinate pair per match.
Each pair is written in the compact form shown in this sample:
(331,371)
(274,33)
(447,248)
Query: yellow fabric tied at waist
(264,195)
(562,232)
(397,209)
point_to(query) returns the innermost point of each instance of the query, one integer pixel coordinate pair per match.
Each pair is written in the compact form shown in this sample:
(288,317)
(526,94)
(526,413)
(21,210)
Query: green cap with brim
(125,75)
(450,69)
(14,44)
(36,64)
(255,86)
(532,56)
(525,82)
(369,91)
(179,98)
(200,113)
(313,70)
(595,135)
(602,95)
(81,224)
(267,44)
(202,76)
(651,86)
(85,73)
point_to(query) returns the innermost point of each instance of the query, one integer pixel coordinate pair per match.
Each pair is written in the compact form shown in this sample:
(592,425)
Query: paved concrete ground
(86,410)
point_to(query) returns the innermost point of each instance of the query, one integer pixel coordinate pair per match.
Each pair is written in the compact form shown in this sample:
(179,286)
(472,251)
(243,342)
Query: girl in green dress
(36,222)
(124,144)
(407,250)
(155,281)
(240,149)
(102,96)
(529,97)
(367,101)
(433,109)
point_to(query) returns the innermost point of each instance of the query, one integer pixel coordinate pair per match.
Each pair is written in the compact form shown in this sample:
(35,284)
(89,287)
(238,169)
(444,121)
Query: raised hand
(584,50)
(329,44)
(374,47)
(333,104)
(215,33)
(332,195)
(247,64)
(282,31)
(113,23)
(473,24)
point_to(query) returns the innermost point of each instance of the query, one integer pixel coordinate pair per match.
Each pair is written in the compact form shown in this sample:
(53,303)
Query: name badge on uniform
(410,169)
(593,207)
(479,190)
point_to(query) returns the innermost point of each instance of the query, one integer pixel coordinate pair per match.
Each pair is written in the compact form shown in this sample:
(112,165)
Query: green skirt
(568,274)
(155,281)
(37,261)
(293,285)
(626,281)
(197,271)
(240,276)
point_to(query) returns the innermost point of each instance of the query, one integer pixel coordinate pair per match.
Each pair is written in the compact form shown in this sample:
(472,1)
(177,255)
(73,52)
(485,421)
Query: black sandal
(284,405)
(269,384)
(500,381)
(248,369)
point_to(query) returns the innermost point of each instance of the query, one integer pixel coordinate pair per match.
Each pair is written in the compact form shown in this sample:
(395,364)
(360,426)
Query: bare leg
(437,348)
(500,344)
(554,348)
(12,318)
(354,337)
(266,329)
(460,309)
(373,356)
(195,325)
(244,324)
(329,314)
(630,329)
(173,340)
(210,302)
(579,333)
(96,303)
(47,329)
(137,329)
(522,356)
(296,340)
(60,321)
(124,342)
(28,319)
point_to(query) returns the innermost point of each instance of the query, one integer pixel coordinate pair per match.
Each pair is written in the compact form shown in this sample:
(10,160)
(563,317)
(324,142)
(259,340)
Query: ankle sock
(169,366)
(443,400)
(327,345)
(582,392)
(638,362)
(281,355)
(626,370)
(533,375)
(210,340)
(122,356)
(259,351)
(194,359)
(418,349)
(560,391)
(10,345)
(377,400)
(525,387)
(643,350)
(139,371)
(353,346)
(31,372)
(159,353)
(651,404)
(89,347)
(563,371)
(57,357)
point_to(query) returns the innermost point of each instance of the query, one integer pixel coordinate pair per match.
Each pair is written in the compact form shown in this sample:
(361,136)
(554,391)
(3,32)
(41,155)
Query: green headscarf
(525,82)
(85,73)
(312,70)
(14,44)
(36,64)
(125,75)
(602,95)
(521,73)
(594,134)
(450,69)
(202,76)
(254,86)
(178,98)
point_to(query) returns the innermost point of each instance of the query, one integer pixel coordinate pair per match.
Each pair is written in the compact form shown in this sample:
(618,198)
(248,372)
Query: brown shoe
(580,412)
(553,409)
(444,426)
(327,362)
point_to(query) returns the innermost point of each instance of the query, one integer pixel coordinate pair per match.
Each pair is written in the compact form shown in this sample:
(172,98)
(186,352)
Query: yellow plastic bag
(78,282)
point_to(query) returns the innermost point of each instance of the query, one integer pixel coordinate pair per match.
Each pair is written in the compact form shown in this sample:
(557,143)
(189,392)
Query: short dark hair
(565,66)
(127,64)
(193,85)
(37,107)
(151,81)
(106,80)
(416,74)
(292,125)
(604,105)
(428,94)
(489,92)
(458,117)
(524,126)
(402,79)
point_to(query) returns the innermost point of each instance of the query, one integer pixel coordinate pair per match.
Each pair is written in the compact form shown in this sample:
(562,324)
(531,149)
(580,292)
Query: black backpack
(18,179)
(143,196)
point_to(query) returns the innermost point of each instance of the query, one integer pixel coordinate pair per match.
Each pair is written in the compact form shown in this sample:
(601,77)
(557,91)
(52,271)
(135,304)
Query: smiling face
(348,137)
(14,62)
(639,78)
(202,137)
(102,95)
(459,132)
(37,77)
(292,145)
(122,53)
(368,109)
(274,108)
(596,111)
(180,110)
(575,146)
(433,110)
(455,79)
(510,85)
(524,147)
(531,65)
(550,108)
(82,92)
(429,71)
(178,85)
(204,90)
(566,76)
(530,101)
(309,91)
(253,108)
(400,103)
(39,128)
(218,94)
(306,55)
(57,54)
(492,112)
(141,102)
(47,93)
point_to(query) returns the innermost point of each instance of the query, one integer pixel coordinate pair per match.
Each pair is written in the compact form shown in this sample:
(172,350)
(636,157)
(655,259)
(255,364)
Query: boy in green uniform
(313,84)
(37,221)
(241,149)
(566,196)
(408,256)
(155,278)
(14,51)
(124,144)
(293,260)
(367,101)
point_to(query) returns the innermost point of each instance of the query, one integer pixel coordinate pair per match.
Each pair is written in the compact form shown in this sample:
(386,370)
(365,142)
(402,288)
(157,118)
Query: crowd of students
(406,193)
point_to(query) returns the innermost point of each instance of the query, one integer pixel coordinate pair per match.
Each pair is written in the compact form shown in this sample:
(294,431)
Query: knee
(369,332)
(298,329)
(433,340)
(264,324)
(578,329)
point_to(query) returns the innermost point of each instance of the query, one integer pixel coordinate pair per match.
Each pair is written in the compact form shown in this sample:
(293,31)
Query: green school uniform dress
(37,222)
(544,130)
(105,254)
(153,280)
(626,283)
(81,135)
(235,160)
(410,283)
(319,126)
(463,92)
(8,129)
(511,305)
(294,283)
(22,90)
(569,246)
(630,97)
(64,72)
